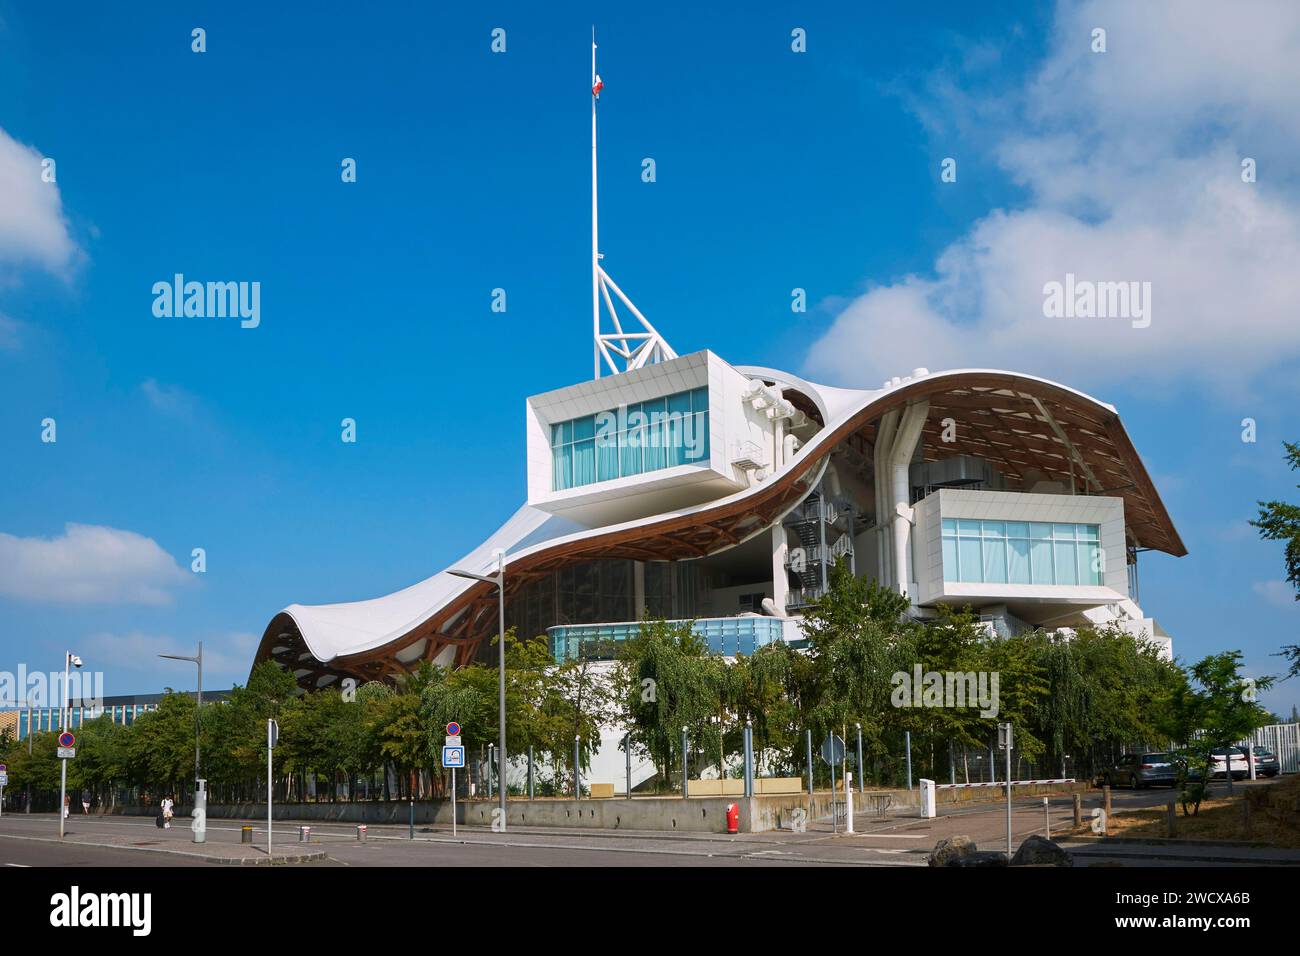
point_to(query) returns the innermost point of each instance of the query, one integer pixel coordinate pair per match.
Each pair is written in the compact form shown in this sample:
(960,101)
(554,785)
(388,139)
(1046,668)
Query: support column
(780,579)
(900,507)
(638,589)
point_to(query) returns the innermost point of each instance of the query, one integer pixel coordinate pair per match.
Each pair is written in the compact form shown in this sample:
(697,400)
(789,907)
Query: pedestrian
(167,806)
(67,803)
(85,802)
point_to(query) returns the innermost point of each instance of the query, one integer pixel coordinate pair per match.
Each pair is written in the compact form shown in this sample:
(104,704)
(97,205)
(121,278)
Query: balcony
(726,636)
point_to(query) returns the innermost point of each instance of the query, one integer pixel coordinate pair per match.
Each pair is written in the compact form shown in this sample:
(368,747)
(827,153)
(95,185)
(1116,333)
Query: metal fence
(1283,740)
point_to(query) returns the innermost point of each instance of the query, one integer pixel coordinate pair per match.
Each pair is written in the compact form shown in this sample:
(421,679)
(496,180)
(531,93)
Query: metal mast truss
(622,349)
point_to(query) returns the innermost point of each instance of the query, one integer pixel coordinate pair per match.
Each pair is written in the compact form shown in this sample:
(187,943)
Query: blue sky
(775,170)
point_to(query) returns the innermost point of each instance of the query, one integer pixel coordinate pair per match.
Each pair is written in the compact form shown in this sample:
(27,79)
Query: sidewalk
(1083,849)
(179,840)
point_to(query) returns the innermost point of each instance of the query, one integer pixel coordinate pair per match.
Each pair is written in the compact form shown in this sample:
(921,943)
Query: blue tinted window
(636,438)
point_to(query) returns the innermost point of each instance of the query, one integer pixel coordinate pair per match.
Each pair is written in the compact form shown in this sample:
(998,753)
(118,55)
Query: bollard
(361,833)
(848,801)
(1078,810)
(245,834)
(1047,820)
(1105,799)
(1171,818)
(304,834)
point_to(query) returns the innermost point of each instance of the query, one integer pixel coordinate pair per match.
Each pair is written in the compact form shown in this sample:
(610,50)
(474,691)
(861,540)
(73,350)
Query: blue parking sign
(453,757)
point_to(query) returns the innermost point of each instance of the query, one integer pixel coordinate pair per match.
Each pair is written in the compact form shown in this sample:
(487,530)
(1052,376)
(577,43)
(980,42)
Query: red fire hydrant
(733,818)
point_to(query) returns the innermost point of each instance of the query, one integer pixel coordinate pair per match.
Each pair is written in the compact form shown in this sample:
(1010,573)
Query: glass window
(1040,562)
(1064,553)
(1020,552)
(995,560)
(1090,568)
(1018,561)
(636,438)
(970,564)
(950,571)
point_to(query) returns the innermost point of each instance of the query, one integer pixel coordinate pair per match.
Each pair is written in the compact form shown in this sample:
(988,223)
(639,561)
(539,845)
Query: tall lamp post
(197,659)
(498,581)
(70,660)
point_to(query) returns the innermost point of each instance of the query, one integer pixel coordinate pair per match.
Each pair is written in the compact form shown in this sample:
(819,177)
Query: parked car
(1266,762)
(1193,771)
(1225,755)
(1141,770)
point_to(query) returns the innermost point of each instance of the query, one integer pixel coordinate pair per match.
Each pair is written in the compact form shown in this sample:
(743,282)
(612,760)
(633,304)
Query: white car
(1237,756)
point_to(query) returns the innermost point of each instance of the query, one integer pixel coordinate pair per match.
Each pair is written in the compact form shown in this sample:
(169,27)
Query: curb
(300,858)
(264,861)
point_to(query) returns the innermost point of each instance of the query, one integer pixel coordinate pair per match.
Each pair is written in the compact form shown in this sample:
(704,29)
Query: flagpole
(595,254)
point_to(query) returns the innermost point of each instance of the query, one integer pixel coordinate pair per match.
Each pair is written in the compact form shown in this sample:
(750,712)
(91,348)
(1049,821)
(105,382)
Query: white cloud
(229,656)
(1130,160)
(33,229)
(89,564)
(1279,593)
(171,400)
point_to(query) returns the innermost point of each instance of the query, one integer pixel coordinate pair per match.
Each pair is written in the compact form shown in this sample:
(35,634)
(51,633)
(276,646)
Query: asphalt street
(32,840)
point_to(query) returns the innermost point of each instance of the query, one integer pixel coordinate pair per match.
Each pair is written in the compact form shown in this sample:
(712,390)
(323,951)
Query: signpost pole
(1004,741)
(270,746)
(453,801)
(835,820)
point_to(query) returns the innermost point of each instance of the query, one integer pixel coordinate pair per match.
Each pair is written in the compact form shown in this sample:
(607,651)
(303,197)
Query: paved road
(889,841)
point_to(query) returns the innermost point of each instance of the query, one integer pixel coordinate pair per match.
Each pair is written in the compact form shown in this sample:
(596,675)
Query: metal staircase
(824,527)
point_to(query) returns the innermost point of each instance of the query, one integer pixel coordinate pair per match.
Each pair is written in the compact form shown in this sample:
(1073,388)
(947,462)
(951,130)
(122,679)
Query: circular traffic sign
(4,768)
(453,729)
(833,749)
(66,739)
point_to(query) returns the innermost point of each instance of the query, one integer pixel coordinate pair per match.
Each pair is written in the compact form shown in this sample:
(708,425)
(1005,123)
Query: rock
(951,848)
(1040,851)
(980,858)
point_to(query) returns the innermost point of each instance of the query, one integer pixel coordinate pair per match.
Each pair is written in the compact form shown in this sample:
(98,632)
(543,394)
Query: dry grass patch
(1220,818)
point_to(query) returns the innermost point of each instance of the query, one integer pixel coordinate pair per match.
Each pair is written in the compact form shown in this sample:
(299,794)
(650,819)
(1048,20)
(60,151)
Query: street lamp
(498,580)
(70,660)
(198,659)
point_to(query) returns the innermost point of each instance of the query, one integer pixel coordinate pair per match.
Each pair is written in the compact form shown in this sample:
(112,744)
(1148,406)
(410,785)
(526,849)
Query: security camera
(74,660)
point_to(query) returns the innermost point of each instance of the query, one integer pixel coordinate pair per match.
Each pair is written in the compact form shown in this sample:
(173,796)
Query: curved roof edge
(348,630)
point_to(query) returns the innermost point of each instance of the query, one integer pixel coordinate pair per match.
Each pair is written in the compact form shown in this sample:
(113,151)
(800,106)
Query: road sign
(1004,736)
(4,768)
(453,757)
(67,753)
(4,779)
(272,734)
(67,740)
(451,741)
(833,749)
(453,729)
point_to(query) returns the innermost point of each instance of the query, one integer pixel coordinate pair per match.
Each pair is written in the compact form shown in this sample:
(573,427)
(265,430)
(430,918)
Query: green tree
(1280,521)
(1220,710)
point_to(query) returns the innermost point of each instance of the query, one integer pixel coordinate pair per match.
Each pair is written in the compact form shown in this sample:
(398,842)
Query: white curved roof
(338,630)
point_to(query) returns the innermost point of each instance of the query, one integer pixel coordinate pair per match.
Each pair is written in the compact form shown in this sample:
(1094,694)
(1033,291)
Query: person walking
(67,804)
(167,806)
(85,802)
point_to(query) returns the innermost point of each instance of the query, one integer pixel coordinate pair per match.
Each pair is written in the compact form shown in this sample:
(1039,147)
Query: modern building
(685,487)
(122,710)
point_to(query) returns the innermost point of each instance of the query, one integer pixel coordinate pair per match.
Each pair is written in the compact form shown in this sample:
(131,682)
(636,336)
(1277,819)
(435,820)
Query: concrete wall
(696,815)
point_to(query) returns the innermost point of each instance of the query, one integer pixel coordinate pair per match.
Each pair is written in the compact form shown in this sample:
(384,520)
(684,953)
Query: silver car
(1142,770)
